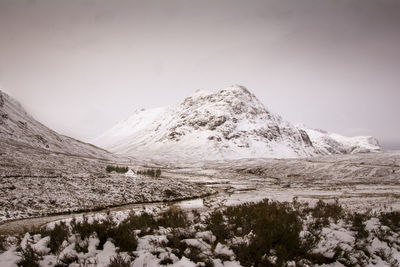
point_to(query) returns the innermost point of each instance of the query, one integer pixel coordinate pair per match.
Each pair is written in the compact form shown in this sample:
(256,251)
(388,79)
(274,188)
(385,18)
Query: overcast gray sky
(81,66)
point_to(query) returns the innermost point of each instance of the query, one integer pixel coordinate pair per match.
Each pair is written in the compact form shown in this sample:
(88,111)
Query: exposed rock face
(18,127)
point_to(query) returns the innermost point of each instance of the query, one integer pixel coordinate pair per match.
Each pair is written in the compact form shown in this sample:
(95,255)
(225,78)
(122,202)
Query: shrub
(2,243)
(100,228)
(358,225)
(143,222)
(324,211)
(196,215)
(57,235)
(271,229)
(150,172)
(166,261)
(83,228)
(82,246)
(124,237)
(34,230)
(175,238)
(174,218)
(109,168)
(196,255)
(29,257)
(123,234)
(275,230)
(391,220)
(119,261)
(66,260)
(216,224)
(117,169)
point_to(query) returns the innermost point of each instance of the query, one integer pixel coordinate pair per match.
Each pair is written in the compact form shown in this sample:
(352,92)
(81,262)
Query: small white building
(131,173)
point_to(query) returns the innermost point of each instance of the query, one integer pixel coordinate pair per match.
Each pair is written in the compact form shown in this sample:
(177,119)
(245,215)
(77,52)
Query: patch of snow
(103,258)
(41,245)
(224,250)
(197,243)
(9,257)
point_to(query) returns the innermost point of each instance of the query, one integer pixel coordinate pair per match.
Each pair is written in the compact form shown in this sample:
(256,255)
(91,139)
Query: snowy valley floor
(357,226)
(32,197)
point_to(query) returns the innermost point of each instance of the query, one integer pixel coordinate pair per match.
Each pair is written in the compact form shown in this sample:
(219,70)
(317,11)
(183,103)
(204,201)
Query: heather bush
(144,222)
(391,220)
(122,235)
(174,218)
(57,235)
(272,230)
(358,225)
(323,211)
(2,243)
(29,257)
(216,224)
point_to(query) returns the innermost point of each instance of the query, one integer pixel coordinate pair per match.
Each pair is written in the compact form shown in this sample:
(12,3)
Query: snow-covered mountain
(18,128)
(327,143)
(229,124)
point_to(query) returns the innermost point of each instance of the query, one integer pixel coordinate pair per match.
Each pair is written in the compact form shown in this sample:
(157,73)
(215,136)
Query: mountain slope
(229,124)
(326,143)
(17,127)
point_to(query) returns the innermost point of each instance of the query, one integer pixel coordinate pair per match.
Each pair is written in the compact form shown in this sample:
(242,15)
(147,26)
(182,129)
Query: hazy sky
(81,66)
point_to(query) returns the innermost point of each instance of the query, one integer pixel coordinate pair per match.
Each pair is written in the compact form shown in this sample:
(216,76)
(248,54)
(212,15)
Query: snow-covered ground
(31,197)
(37,182)
(356,240)
(360,183)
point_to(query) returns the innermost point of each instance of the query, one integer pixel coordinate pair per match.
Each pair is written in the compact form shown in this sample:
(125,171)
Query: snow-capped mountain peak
(229,123)
(226,124)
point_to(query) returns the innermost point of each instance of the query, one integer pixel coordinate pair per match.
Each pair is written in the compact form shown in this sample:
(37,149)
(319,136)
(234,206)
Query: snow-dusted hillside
(18,128)
(327,143)
(229,124)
